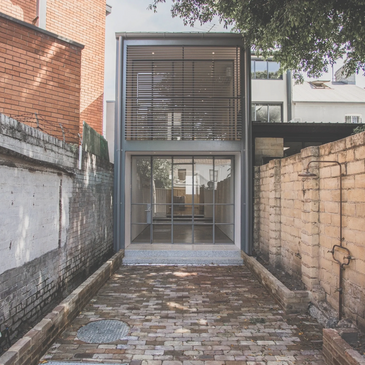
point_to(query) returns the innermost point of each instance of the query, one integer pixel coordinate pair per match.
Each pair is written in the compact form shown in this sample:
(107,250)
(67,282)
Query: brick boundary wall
(58,216)
(297,221)
(337,351)
(29,349)
(40,72)
(290,301)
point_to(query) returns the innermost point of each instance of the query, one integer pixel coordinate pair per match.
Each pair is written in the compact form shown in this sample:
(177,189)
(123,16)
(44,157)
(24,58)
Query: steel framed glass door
(182,199)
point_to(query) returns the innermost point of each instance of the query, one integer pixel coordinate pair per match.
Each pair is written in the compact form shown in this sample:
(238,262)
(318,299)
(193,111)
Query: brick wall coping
(337,351)
(291,301)
(41,30)
(29,349)
(31,143)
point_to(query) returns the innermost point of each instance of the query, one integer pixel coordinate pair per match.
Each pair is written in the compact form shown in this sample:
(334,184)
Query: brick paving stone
(204,315)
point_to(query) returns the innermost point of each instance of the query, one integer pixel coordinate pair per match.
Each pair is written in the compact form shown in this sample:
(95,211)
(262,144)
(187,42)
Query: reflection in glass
(274,70)
(141,180)
(224,233)
(275,114)
(224,214)
(224,185)
(183,233)
(203,178)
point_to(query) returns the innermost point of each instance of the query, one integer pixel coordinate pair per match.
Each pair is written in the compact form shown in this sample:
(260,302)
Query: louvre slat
(183,93)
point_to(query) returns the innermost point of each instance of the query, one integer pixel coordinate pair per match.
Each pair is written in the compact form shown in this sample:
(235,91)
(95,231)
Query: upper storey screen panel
(183,93)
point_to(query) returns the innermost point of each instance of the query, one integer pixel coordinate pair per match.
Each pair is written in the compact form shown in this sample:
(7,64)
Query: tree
(307,35)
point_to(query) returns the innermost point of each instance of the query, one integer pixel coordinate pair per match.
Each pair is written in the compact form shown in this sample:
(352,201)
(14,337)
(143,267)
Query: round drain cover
(103,331)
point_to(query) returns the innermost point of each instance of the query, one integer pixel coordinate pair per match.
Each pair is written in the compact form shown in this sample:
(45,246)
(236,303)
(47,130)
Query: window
(355,118)
(183,93)
(265,70)
(267,113)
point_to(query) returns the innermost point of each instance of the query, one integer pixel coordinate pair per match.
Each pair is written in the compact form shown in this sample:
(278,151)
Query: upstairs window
(353,118)
(183,93)
(267,113)
(265,70)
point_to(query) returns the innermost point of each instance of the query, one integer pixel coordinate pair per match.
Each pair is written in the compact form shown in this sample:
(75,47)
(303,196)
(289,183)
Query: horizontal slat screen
(183,93)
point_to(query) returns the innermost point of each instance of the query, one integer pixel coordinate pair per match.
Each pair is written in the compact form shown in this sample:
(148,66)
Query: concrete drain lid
(103,331)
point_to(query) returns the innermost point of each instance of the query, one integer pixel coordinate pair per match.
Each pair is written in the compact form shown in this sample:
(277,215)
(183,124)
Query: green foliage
(359,129)
(307,35)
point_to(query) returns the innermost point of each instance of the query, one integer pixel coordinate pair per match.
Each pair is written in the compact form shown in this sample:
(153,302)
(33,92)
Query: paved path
(207,315)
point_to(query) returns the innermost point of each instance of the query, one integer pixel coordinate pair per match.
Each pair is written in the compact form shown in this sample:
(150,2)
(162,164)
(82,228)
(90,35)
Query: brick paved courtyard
(206,315)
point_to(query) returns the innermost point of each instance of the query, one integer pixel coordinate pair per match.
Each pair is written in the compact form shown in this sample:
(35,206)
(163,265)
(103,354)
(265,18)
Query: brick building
(40,55)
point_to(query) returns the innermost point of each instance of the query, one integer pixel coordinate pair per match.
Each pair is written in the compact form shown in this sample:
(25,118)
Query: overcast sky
(133,16)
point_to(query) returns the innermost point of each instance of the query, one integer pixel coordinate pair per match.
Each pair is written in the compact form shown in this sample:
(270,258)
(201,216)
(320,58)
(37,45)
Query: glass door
(182,200)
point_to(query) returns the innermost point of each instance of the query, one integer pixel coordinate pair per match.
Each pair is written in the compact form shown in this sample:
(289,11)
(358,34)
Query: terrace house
(182,142)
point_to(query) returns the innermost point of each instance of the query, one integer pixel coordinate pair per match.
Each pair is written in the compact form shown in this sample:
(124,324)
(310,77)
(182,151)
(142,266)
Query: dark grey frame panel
(244,147)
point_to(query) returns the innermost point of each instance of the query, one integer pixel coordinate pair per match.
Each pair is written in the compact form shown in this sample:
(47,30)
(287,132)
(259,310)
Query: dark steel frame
(122,146)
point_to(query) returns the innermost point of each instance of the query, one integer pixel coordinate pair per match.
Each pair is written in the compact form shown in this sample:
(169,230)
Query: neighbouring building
(39,58)
(182,141)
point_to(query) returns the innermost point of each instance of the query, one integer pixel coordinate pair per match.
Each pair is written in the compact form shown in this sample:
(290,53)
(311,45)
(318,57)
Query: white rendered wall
(270,91)
(326,112)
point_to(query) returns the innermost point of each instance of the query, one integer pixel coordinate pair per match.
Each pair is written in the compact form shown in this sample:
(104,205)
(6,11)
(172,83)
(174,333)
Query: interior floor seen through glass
(182,199)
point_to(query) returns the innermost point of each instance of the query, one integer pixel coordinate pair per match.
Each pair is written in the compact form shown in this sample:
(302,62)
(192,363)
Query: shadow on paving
(206,315)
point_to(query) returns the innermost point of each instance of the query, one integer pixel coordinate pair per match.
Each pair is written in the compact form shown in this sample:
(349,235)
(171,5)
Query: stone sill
(337,351)
(29,349)
(291,301)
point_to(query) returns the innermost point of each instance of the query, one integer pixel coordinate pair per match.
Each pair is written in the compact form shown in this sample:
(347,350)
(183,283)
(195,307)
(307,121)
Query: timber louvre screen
(183,93)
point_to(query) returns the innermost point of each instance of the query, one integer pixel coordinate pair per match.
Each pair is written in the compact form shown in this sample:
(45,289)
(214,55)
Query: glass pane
(275,114)
(224,233)
(203,233)
(161,213)
(253,69)
(224,214)
(161,233)
(183,187)
(183,233)
(141,213)
(203,213)
(274,70)
(224,181)
(261,113)
(162,180)
(140,233)
(141,179)
(203,179)
(261,69)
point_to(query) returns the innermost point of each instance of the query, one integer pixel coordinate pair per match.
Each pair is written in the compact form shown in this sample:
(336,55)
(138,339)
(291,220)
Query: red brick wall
(25,10)
(39,74)
(84,21)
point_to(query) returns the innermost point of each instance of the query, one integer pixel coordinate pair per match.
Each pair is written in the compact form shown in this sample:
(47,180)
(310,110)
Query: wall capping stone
(291,301)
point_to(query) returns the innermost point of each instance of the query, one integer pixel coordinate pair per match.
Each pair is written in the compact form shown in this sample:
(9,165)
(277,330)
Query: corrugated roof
(334,92)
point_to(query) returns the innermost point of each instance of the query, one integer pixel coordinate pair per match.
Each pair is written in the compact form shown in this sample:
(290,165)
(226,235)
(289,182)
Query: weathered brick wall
(39,73)
(84,22)
(309,221)
(56,221)
(261,211)
(25,10)
(290,222)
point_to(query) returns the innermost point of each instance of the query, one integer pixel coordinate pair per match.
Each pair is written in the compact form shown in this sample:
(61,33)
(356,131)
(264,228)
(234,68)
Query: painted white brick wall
(30,214)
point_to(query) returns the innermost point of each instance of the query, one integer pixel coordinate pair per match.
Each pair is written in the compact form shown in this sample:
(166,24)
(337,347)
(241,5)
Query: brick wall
(81,21)
(25,10)
(56,221)
(84,21)
(39,73)
(297,220)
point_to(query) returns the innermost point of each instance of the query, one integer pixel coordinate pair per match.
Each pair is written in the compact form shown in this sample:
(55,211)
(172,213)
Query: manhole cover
(103,331)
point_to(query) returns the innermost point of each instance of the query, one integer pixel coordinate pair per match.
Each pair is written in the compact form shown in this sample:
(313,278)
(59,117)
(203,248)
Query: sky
(133,16)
